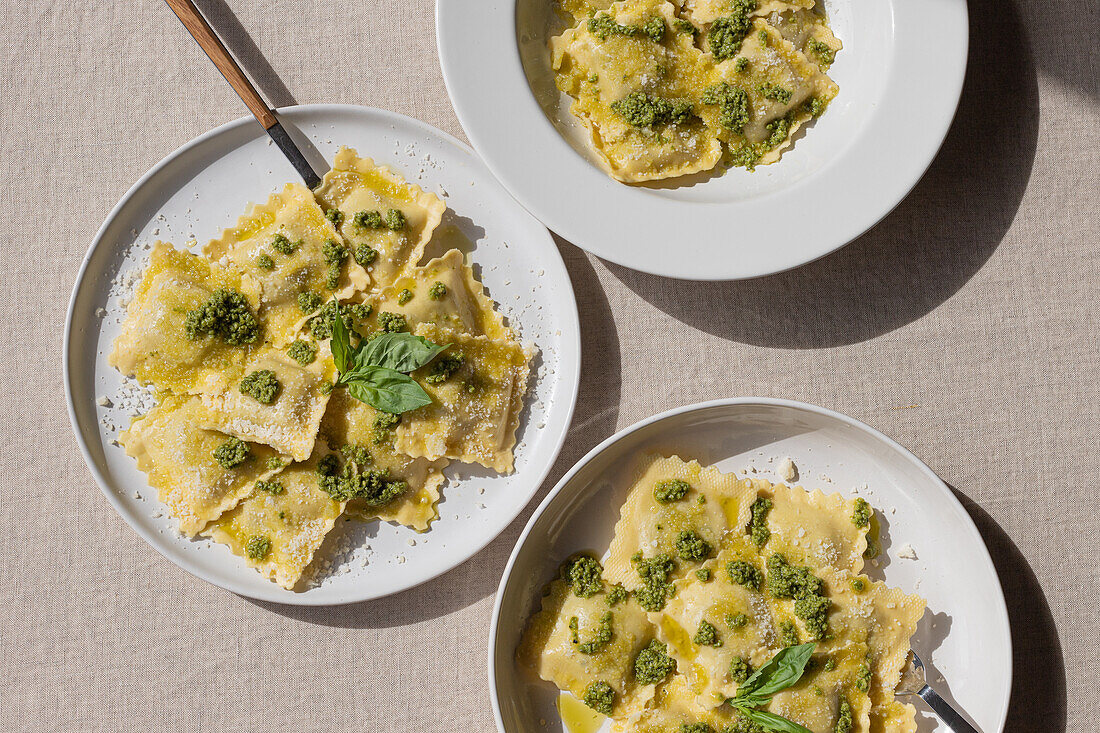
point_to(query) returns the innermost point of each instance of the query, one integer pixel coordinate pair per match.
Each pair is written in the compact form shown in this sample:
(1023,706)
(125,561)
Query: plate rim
(276,594)
(498,155)
(1001,607)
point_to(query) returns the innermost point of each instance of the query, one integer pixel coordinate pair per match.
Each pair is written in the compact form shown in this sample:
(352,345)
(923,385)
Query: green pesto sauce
(394,220)
(758,525)
(320,325)
(816,106)
(639,109)
(861,515)
(271,487)
(364,254)
(863,679)
(745,573)
(309,302)
(669,491)
(798,582)
(257,548)
(444,367)
(335,216)
(740,669)
(858,585)
(733,105)
(775,93)
(653,664)
(740,64)
(232,453)
(706,635)
(616,594)
(601,639)
(374,487)
(282,245)
(743,725)
(726,33)
(844,718)
(656,588)
(384,423)
(356,454)
(303,352)
(691,546)
(788,634)
(333,252)
(584,574)
(763,37)
(404,296)
(830,664)
(437,290)
(227,315)
(826,56)
(736,620)
(264,262)
(695,728)
(684,25)
(703,574)
(600,697)
(392,322)
(274,463)
(603,26)
(261,385)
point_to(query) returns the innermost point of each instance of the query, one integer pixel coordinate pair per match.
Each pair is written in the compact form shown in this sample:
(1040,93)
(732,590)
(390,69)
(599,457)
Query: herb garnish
(781,672)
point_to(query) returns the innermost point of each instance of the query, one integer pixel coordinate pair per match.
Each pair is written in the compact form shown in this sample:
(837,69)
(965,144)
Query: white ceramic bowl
(900,76)
(964,635)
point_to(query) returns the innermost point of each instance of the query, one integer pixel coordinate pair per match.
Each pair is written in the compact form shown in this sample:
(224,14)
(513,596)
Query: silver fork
(914,681)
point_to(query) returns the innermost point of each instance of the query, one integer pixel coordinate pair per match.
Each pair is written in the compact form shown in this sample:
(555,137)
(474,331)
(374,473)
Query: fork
(914,681)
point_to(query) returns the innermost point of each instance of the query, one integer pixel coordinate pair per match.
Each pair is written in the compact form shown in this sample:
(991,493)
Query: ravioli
(364,194)
(475,411)
(704,12)
(291,421)
(278,533)
(179,459)
(811,527)
(348,421)
(154,345)
(445,293)
(290,248)
(601,74)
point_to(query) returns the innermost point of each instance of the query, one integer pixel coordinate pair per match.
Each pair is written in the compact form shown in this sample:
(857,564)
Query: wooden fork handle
(201,31)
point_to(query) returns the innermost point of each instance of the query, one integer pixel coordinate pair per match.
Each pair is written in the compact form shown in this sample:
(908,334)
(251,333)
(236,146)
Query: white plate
(900,76)
(203,187)
(964,635)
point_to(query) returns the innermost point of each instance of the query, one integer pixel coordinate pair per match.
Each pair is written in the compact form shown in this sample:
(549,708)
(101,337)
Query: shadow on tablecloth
(922,253)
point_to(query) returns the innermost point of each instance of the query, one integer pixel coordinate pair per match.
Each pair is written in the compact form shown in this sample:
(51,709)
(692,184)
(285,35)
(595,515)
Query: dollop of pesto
(740,669)
(706,635)
(743,572)
(639,109)
(690,545)
(788,634)
(695,728)
(374,487)
(843,718)
(365,254)
(861,514)
(601,639)
(858,585)
(816,106)
(334,255)
(437,290)
(356,453)
(404,296)
(584,574)
(309,302)
(227,315)
(394,220)
(740,64)
(616,594)
(830,664)
(775,93)
(282,245)
(825,55)
(758,525)
(733,105)
(303,352)
(684,25)
(261,385)
(600,697)
(653,664)
(274,463)
(669,491)
(271,487)
(392,322)
(382,429)
(603,26)
(762,36)
(335,216)
(798,582)
(736,620)
(264,262)
(703,574)
(726,33)
(232,453)
(320,325)
(863,678)
(656,588)
(257,547)
(743,725)
(779,130)
(444,367)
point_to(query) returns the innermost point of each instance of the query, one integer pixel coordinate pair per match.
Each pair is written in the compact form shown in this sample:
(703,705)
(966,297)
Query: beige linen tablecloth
(973,307)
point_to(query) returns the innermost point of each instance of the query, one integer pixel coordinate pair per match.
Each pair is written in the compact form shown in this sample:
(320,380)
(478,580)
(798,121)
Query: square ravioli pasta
(477,388)
(385,220)
(279,527)
(190,326)
(293,251)
(634,76)
(277,402)
(362,436)
(443,292)
(199,474)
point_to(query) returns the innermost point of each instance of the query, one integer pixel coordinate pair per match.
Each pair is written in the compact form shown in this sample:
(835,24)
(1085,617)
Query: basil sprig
(376,371)
(781,671)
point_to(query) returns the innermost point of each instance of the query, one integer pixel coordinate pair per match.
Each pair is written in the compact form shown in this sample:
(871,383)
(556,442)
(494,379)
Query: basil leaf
(386,390)
(402,352)
(781,671)
(341,341)
(772,722)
